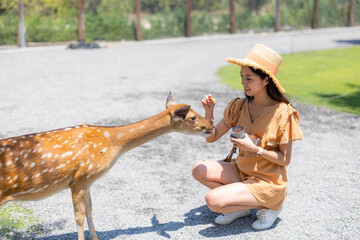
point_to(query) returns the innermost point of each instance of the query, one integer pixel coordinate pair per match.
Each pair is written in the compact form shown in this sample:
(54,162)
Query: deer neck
(131,136)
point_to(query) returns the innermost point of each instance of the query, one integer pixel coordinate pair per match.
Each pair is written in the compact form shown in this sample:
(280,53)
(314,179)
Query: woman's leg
(214,174)
(232,197)
(227,194)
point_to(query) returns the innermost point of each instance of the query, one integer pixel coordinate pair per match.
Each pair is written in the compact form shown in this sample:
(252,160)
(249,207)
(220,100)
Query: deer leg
(79,194)
(88,212)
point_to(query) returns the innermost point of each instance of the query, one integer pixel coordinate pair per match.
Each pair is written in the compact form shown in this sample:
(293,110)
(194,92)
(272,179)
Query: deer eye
(194,118)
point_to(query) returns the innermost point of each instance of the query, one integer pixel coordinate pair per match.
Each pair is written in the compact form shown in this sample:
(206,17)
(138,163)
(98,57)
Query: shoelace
(261,214)
(227,215)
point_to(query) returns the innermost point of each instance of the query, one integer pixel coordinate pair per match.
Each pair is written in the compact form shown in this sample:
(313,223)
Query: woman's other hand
(244,144)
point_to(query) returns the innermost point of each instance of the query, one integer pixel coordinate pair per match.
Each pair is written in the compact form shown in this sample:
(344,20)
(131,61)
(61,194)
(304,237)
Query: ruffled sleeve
(283,128)
(232,111)
(291,130)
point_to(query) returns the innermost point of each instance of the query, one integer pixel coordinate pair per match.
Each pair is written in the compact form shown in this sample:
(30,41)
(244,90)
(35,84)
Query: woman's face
(253,84)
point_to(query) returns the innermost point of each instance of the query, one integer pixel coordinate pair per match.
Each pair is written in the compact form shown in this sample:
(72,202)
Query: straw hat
(264,58)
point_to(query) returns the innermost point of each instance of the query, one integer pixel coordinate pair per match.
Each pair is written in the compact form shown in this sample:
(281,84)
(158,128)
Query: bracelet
(259,153)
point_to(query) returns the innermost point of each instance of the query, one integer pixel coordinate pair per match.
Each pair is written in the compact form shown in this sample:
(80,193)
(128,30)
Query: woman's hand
(244,144)
(208,103)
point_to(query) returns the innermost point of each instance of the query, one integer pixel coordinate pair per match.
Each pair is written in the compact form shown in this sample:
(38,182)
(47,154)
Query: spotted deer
(38,165)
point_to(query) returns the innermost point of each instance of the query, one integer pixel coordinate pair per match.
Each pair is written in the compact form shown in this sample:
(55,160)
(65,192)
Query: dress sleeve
(232,111)
(283,128)
(291,130)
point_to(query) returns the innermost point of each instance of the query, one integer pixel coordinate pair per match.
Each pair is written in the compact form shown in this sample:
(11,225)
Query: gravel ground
(150,193)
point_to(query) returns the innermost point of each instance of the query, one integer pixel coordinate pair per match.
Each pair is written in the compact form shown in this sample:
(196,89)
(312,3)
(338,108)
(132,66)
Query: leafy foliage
(56,20)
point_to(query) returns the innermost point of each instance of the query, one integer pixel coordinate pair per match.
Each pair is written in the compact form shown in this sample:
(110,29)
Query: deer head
(185,120)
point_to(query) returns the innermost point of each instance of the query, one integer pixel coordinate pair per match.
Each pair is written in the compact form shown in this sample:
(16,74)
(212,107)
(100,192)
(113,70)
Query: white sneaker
(227,218)
(266,218)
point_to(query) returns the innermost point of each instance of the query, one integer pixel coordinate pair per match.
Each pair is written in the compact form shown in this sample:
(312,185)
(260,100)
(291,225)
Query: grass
(323,78)
(18,222)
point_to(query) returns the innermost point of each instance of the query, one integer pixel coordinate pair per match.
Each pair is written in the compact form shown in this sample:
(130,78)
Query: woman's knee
(213,201)
(199,170)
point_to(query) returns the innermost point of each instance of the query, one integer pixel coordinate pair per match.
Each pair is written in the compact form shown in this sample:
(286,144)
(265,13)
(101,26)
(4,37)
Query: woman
(257,179)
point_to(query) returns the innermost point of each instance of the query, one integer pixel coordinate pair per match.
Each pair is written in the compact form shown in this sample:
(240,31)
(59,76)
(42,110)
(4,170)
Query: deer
(38,165)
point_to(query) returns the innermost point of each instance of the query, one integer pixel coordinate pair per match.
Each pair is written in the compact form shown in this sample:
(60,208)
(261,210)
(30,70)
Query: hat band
(262,62)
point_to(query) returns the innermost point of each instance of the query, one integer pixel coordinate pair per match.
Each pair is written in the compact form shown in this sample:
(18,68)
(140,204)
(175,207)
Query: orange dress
(267,181)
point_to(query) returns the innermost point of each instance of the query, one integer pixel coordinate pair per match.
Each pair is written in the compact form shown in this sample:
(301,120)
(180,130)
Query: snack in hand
(212,99)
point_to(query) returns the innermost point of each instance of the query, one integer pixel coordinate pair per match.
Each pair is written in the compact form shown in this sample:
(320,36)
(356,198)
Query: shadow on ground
(350,42)
(350,101)
(198,216)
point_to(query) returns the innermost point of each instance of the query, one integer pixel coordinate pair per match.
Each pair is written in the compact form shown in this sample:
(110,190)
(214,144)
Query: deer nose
(208,131)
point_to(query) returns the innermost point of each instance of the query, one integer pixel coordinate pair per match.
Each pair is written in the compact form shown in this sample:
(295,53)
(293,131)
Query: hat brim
(250,63)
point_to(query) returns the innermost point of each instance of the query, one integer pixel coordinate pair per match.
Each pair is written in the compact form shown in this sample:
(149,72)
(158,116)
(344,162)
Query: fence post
(138,19)
(277,16)
(188,19)
(315,20)
(81,21)
(350,20)
(21,34)
(232,16)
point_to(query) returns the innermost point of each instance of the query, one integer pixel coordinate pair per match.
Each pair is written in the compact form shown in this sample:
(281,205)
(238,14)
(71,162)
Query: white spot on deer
(87,162)
(26,155)
(81,164)
(57,155)
(25,164)
(37,175)
(49,155)
(60,138)
(46,186)
(66,142)
(103,150)
(95,145)
(66,154)
(106,134)
(26,178)
(16,177)
(50,170)
(56,181)
(120,135)
(68,162)
(56,146)
(98,165)
(66,129)
(43,156)
(44,171)
(11,154)
(8,163)
(32,165)
(90,166)
(60,166)
(42,162)
(15,185)
(16,159)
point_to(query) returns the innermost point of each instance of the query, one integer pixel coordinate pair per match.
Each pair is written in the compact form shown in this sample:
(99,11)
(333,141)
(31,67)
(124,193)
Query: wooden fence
(188,32)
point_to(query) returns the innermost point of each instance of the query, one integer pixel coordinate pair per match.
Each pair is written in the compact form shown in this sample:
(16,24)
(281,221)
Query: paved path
(150,193)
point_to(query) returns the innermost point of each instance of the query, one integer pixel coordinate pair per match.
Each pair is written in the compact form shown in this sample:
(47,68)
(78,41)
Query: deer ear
(170,100)
(180,114)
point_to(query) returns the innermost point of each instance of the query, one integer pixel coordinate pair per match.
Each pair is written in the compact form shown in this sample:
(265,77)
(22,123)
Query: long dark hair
(271,88)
